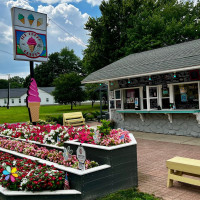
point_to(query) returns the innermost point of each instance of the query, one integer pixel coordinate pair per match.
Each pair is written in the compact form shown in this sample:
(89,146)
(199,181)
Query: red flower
(60,178)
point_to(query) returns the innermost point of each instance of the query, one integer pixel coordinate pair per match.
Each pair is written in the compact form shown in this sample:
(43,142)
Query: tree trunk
(93,103)
(71,105)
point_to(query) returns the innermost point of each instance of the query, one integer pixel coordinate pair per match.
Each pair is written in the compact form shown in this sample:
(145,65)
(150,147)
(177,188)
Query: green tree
(58,63)
(67,89)
(3,84)
(91,92)
(131,26)
(16,82)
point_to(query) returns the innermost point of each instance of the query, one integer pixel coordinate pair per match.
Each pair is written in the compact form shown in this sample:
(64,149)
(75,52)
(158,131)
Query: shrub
(58,119)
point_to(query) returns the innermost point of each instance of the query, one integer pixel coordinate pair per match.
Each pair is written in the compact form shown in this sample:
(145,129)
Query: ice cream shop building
(155,91)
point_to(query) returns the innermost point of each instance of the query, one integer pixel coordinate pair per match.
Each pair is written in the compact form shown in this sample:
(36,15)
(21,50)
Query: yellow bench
(73,119)
(179,166)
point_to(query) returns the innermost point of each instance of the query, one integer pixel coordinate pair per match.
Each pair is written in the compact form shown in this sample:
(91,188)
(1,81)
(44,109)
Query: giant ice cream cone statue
(33,101)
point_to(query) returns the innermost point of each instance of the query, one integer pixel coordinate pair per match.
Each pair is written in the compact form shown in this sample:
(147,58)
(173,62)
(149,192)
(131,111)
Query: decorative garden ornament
(67,154)
(96,137)
(10,173)
(81,156)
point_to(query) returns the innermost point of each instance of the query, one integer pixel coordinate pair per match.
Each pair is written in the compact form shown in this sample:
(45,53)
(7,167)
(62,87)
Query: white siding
(44,96)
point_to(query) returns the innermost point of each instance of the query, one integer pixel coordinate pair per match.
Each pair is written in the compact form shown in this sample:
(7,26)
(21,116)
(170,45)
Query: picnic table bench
(178,166)
(73,119)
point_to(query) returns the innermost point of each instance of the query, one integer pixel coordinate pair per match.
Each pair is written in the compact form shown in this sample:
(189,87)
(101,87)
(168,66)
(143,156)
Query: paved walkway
(153,151)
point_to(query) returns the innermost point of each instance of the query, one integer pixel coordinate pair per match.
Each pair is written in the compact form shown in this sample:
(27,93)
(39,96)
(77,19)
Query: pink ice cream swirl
(31,41)
(33,95)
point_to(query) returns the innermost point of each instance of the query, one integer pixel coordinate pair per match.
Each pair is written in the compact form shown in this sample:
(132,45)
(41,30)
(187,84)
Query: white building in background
(18,96)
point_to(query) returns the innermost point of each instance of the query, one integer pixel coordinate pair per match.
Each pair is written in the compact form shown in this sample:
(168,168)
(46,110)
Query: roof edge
(140,75)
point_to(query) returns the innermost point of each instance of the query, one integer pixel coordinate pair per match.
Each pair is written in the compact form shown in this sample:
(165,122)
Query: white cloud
(95,2)
(5,34)
(20,74)
(66,18)
(58,1)
(19,3)
(73,39)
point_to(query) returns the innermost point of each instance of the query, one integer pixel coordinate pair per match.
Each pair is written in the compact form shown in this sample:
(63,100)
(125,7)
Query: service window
(186,96)
(131,100)
(165,98)
(153,97)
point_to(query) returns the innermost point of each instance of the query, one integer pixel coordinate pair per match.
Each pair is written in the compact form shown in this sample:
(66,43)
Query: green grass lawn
(129,194)
(20,114)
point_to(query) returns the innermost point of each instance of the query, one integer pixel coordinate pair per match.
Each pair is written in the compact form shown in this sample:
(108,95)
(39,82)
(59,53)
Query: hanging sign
(81,156)
(29,35)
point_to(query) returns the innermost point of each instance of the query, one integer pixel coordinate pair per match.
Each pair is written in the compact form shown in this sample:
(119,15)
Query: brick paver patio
(152,171)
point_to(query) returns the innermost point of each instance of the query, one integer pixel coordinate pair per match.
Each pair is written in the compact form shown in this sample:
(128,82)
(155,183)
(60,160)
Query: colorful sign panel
(29,35)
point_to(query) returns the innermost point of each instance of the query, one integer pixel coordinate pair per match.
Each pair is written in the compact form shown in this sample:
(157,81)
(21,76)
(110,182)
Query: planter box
(117,170)
(50,195)
(121,175)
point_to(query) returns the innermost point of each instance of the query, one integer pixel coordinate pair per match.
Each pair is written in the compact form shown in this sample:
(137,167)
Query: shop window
(153,97)
(115,99)
(131,100)
(186,96)
(144,98)
(165,98)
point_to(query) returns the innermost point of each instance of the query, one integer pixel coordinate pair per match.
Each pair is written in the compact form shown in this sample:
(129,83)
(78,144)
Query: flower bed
(52,155)
(31,175)
(57,135)
(41,133)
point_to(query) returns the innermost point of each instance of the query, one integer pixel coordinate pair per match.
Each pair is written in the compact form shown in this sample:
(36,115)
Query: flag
(66,185)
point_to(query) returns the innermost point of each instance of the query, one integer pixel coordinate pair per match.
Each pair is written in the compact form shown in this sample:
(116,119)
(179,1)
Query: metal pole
(8,104)
(31,69)
(100,102)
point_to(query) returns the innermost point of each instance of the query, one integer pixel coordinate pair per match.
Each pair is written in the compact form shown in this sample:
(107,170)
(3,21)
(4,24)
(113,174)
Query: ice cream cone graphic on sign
(31,44)
(21,18)
(31,19)
(33,101)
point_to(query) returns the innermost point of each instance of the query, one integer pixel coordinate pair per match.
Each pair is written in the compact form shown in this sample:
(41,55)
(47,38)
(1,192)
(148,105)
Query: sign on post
(29,35)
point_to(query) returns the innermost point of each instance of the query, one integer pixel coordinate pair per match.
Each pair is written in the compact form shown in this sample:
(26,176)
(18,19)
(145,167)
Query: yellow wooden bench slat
(178,166)
(74,119)
(184,164)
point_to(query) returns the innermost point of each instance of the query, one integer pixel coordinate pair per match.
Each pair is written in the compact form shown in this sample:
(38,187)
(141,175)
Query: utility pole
(8,104)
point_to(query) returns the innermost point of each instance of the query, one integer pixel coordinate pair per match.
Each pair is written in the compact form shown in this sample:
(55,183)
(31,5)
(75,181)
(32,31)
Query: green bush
(96,113)
(58,119)
(105,127)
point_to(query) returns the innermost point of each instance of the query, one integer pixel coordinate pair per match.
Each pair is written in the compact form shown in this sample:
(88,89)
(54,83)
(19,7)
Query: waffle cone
(30,21)
(31,47)
(22,20)
(38,23)
(34,108)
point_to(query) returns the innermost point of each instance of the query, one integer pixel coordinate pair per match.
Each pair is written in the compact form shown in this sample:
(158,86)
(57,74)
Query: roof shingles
(173,57)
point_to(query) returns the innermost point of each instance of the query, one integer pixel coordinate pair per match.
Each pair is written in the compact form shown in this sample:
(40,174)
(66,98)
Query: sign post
(30,44)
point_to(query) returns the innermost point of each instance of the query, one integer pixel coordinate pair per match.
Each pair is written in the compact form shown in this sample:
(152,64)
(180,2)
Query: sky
(66,19)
